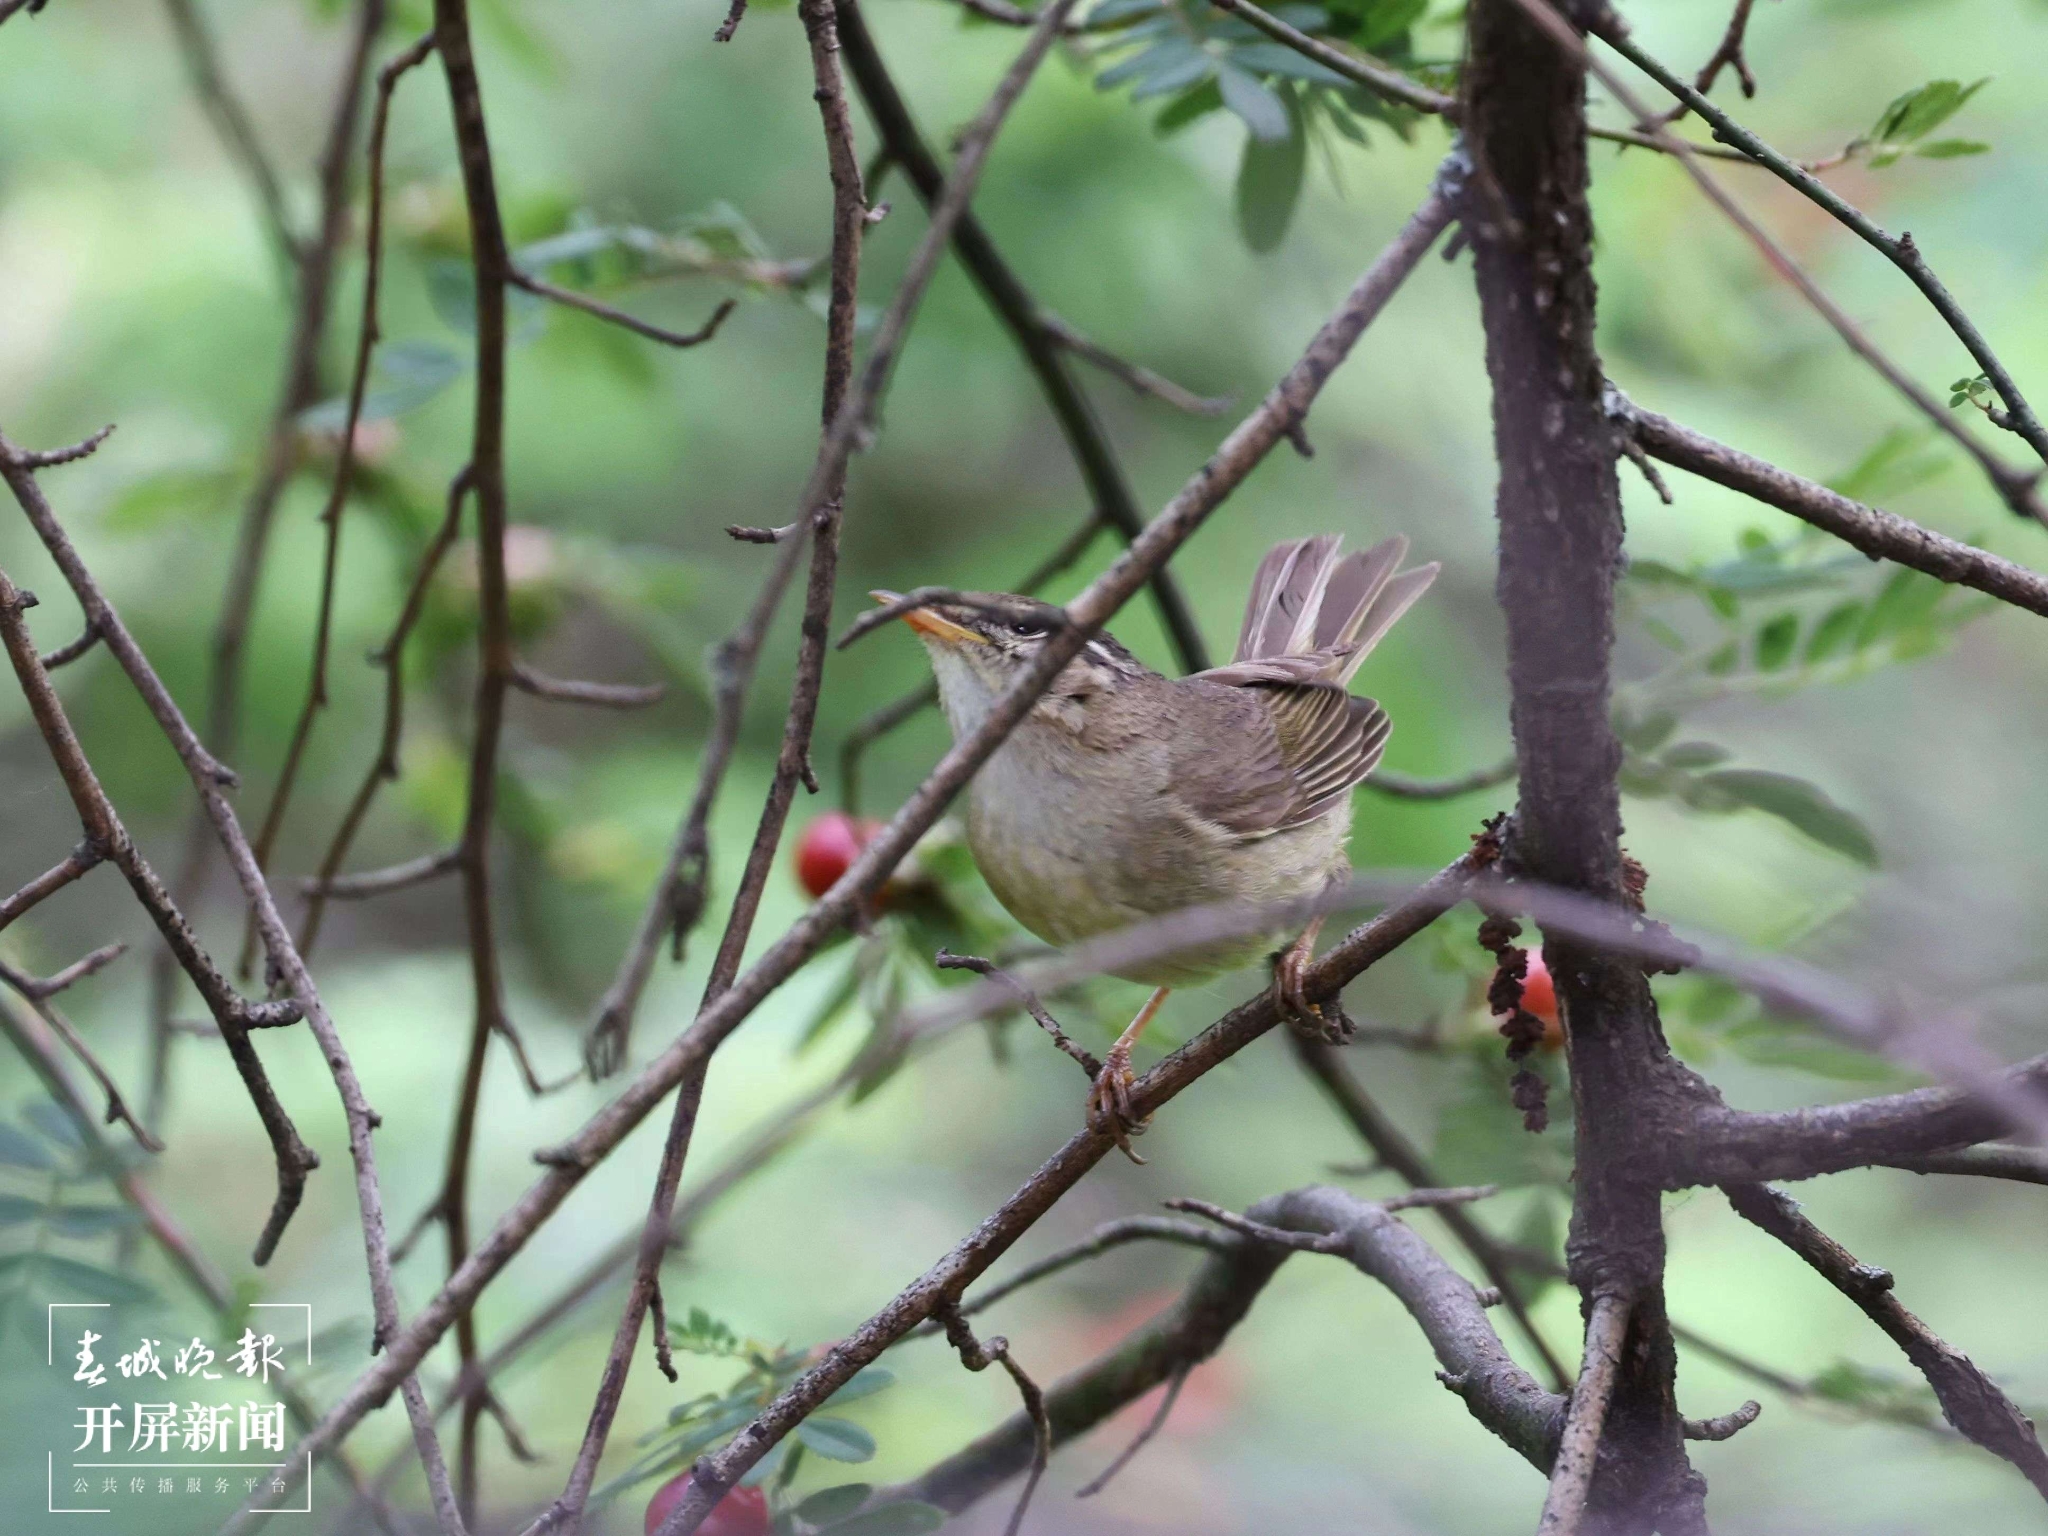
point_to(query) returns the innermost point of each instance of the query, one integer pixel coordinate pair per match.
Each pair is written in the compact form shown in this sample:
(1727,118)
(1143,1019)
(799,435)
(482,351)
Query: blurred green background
(136,286)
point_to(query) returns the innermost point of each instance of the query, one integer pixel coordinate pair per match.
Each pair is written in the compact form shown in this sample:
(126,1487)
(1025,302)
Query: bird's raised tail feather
(1305,600)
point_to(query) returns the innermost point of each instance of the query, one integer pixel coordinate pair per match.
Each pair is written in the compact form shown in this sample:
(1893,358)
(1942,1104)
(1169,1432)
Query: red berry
(743,1512)
(1539,996)
(828,847)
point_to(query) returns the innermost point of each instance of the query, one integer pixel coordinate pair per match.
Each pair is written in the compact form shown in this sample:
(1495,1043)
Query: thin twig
(384,766)
(65,654)
(1383,80)
(977,1355)
(633,323)
(602,695)
(1571,1475)
(1401,786)
(946,960)
(231,121)
(380,882)
(1139,1441)
(177,1245)
(1142,380)
(79,861)
(36,995)
(37,989)
(2027,1165)
(283,445)
(1727,1426)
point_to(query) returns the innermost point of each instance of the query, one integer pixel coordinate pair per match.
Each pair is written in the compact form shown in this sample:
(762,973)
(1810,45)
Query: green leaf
(1724,660)
(865,1383)
(830,1504)
(1167,57)
(1775,641)
(1267,58)
(57,1126)
(1952,149)
(1834,631)
(68,1277)
(906,1518)
(1658,573)
(1802,805)
(16,1209)
(1269,180)
(91,1220)
(1907,599)
(414,372)
(836,1439)
(18,1149)
(1121,10)
(451,289)
(1695,754)
(1897,462)
(1185,108)
(1381,22)
(1920,111)
(1264,113)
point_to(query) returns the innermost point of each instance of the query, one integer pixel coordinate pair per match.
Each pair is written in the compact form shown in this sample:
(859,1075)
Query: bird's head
(984,643)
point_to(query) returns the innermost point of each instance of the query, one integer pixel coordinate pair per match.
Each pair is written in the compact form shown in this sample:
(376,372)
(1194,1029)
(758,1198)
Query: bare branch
(177,1245)
(1401,786)
(977,1356)
(946,960)
(384,767)
(792,764)
(52,880)
(1969,1399)
(1143,380)
(1571,1475)
(2027,1165)
(37,994)
(1143,1438)
(48,457)
(1727,1426)
(1878,534)
(36,990)
(1383,80)
(1475,1366)
(602,695)
(379,882)
(633,323)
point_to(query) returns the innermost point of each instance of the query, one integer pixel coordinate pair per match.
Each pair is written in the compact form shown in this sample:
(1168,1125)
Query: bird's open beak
(927,622)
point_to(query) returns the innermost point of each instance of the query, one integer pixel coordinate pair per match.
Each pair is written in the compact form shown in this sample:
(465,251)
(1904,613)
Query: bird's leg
(1109,1101)
(1290,975)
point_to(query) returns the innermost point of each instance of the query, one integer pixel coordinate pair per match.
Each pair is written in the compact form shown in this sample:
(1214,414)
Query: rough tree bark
(1559,509)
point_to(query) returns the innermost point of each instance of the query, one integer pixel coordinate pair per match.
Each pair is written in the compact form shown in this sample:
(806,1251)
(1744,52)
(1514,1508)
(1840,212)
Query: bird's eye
(1029,629)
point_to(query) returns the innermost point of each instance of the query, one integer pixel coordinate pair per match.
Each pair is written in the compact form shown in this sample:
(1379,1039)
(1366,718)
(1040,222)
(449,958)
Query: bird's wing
(1297,749)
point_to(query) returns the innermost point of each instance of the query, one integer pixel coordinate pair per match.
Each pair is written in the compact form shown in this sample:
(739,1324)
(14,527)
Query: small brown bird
(1125,795)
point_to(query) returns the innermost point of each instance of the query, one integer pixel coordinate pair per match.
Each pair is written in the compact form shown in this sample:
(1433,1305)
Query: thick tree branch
(1559,509)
